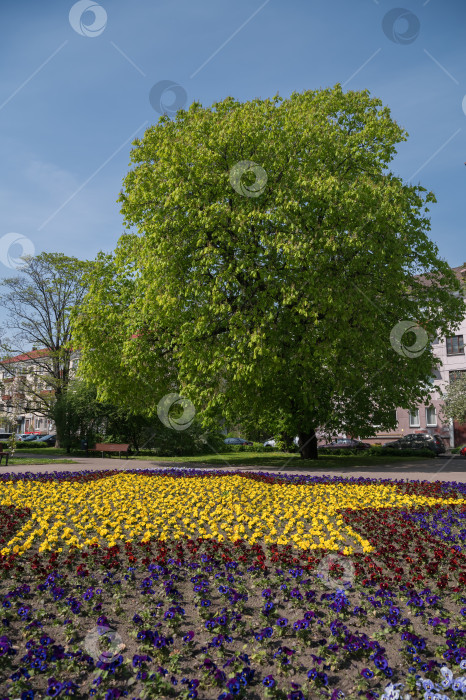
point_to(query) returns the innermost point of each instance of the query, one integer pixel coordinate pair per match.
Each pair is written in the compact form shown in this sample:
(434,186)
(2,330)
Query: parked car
(271,442)
(5,436)
(31,438)
(345,444)
(418,441)
(49,439)
(237,441)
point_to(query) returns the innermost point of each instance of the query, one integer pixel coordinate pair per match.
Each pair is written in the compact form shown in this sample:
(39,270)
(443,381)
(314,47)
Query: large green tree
(269,260)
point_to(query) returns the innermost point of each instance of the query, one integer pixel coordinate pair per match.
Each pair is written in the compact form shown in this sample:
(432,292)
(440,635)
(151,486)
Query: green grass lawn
(15,461)
(285,461)
(277,460)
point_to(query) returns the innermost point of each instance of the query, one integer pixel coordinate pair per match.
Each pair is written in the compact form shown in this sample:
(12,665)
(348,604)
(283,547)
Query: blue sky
(70,103)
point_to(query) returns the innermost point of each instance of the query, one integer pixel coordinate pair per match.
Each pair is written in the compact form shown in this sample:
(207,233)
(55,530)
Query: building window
(431,416)
(414,421)
(455,345)
(455,374)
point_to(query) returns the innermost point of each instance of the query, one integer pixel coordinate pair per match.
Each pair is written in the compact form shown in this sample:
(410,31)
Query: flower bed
(179,583)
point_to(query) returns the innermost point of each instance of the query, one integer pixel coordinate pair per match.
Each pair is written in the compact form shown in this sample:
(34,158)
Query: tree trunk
(308,445)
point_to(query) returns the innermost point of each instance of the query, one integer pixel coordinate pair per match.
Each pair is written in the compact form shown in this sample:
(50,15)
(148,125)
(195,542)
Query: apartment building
(23,386)
(428,418)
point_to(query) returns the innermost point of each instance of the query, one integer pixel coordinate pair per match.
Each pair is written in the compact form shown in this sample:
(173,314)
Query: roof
(460,272)
(31,355)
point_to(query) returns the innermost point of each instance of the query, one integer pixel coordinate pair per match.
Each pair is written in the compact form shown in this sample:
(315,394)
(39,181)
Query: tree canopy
(269,259)
(454,396)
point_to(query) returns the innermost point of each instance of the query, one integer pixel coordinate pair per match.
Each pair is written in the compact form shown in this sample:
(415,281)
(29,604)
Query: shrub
(31,445)
(376,451)
(394,452)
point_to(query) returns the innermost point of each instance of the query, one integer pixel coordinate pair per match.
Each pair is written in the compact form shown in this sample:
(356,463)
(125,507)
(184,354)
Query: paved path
(429,470)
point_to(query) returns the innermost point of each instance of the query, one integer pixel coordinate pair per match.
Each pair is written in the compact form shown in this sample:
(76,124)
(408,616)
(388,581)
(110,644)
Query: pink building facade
(428,418)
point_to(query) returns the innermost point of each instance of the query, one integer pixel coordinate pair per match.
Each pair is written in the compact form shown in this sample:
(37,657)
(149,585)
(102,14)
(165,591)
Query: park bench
(6,455)
(111,447)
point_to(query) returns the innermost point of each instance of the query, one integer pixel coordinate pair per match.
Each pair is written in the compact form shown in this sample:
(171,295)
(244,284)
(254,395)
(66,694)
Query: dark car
(345,444)
(237,441)
(418,441)
(30,438)
(49,439)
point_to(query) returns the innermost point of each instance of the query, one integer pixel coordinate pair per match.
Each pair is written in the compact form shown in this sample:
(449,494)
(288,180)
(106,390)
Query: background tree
(38,302)
(269,294)
(79,415)
(454,399)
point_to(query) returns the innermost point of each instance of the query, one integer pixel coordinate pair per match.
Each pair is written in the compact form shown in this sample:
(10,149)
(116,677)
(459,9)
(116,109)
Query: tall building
(25,386)
(428,418)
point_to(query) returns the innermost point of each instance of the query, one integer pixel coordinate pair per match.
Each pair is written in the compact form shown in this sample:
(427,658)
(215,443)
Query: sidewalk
(428,470)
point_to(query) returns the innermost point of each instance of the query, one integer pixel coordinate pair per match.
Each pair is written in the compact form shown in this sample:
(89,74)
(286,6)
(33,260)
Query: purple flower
(367,673)
(381,663)
(269,681)
(282,622)
(54,689)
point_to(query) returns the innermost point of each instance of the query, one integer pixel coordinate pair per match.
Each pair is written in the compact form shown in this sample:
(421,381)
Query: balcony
(6,397)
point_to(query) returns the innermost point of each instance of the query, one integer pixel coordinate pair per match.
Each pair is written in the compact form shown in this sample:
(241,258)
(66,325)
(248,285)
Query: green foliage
(273,312)
(79,415)
(454,398)
(394,452)
(166,442)
(31,445)
(11,442)
(375,451)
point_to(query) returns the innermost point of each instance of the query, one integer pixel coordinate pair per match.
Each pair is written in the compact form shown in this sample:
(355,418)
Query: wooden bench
(111,447)
(6,455)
